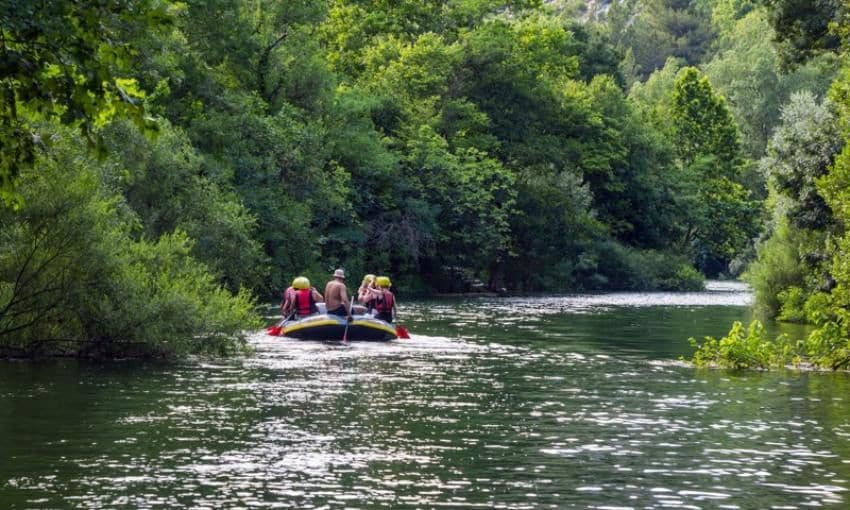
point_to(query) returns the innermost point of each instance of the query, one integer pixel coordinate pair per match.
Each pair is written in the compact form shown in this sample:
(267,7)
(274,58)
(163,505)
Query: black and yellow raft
(363,328)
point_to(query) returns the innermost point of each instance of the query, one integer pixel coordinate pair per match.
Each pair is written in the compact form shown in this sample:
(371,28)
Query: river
(516,403)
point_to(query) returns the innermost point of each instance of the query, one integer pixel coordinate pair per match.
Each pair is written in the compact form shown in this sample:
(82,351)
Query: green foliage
(655,30)
(750,348)
(613,266)
(732,219)
(478,204)
(165,300)
(703,123)
(724,218)
(67,61)
(74,281)
(800,152)
(352,26)
(830,342)
(802,27)
(163,184)
(803,267)
(792,263)
(777,268)
(552,232)
(827,346)
(424,139)
(833,186)
(634,189)
(792,308)
(653,96)
(747,72)
(726,13)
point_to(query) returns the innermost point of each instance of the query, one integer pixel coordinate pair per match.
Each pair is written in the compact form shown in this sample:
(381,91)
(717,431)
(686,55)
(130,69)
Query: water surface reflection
(570,402)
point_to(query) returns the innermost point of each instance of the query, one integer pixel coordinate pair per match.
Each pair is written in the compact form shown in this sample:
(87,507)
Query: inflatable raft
(363,328)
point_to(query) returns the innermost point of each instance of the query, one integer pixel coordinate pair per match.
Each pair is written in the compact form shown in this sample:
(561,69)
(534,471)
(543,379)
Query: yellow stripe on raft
(296,327)
(373,325)
(363,323)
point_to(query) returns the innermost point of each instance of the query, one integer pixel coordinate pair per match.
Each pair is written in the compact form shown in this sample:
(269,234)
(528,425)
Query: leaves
(65,60)
(751,348)
(76,282)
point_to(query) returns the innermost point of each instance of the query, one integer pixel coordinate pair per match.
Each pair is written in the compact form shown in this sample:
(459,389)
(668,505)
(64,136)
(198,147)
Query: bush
(163,182)
(74,281)
(618,267)
(777,269)
(792,305)
(746,349)
(817,308)
(825,347)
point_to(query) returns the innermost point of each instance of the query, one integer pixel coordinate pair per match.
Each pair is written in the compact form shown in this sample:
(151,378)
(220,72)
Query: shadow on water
(554,402)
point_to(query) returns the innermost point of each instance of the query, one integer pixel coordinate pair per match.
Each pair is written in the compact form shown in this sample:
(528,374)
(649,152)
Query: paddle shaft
(348,320)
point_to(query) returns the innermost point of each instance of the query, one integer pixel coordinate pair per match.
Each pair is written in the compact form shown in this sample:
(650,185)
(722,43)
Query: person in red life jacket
(385,302)
(306,297)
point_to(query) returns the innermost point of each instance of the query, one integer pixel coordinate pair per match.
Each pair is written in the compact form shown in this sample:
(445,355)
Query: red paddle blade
(402,332)
(273,330)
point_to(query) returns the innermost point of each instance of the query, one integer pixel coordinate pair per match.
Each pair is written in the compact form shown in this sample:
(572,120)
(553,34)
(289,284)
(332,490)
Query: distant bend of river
(517,403)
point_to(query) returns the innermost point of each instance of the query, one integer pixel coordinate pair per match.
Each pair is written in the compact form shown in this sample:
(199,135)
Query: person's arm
(286,304)
(365,295)
(317,297)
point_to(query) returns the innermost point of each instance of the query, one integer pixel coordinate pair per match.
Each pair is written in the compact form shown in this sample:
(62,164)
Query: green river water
(518,403)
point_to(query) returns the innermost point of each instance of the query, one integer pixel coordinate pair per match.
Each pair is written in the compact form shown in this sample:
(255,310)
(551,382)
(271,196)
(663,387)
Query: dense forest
(165,165)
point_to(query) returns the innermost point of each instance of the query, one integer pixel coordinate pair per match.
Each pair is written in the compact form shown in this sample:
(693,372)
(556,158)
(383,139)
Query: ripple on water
(436,421)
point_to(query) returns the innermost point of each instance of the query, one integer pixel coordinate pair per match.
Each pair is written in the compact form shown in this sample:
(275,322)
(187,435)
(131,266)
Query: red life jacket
(386,304)
(304,302)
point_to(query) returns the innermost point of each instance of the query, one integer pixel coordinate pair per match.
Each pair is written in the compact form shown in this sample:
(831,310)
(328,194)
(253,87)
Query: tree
(658,29)
(726,13)
(67,61)
(703,123)
(652,97)
(725,219)
(354,26)
(800,152)
(74,281)
(802,27)
(747,72)
(163,183)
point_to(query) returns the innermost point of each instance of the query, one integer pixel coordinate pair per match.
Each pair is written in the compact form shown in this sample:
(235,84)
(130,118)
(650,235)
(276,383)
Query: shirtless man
(336,295)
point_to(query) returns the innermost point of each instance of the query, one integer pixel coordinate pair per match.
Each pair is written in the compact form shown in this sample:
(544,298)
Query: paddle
(273,330)
(278,329)
(400,331)
(348,320)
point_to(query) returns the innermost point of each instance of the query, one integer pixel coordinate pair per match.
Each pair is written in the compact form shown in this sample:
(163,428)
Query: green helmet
(383,281)
(301,283)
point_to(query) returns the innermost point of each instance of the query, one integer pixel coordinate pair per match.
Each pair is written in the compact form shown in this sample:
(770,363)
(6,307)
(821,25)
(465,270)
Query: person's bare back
(336,297)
